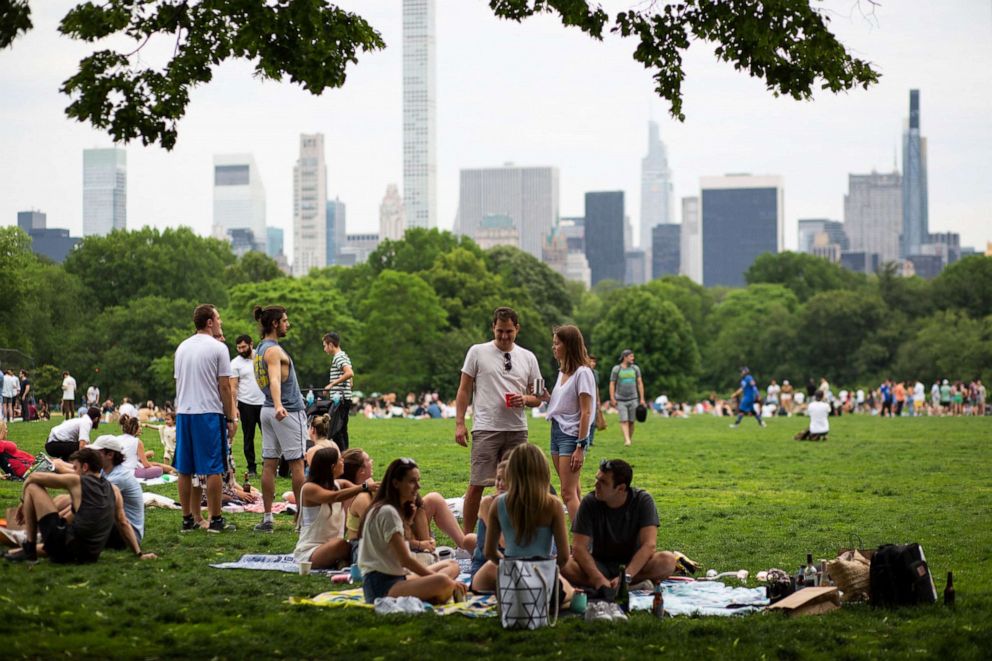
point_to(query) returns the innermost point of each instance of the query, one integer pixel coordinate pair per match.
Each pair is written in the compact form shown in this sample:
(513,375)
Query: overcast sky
(533,94)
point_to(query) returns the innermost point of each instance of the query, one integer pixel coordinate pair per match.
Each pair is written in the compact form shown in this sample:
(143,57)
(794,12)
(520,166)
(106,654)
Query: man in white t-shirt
(496,377)
(10,385)
(127,408)
(72,435)
(92,396)
(68,396)
(203,406)
(819,425)
(249,397)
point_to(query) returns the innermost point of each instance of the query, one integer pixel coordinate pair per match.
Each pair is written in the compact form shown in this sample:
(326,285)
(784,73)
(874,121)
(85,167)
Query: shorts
(375,584)
(562,444)
(286,438)
(627,409)
(60,449)
(201,444)
(54,532)
(609,569)
(488,449)
(9,400)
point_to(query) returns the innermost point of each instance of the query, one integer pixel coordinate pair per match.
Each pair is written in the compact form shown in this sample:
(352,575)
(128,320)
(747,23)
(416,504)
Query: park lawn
(747,498)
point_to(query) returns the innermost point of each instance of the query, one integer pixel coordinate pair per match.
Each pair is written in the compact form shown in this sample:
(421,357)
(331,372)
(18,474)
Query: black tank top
(94,519)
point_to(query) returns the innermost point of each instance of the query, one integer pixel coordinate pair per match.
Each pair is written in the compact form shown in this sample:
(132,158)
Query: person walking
(748,394)
(626,391)
(340,379)
(496,379)
(284,416)
(204,416)
(249,398)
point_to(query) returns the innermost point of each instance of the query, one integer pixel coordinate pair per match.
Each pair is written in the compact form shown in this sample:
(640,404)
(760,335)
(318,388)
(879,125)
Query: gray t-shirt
(200,361)
(487,365)
(626,380)
(134,503)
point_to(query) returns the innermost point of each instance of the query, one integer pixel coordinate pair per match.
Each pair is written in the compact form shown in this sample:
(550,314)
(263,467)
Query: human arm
(560,531)
(465,387)
(398,546)
(273,365)
(493,533)
(646,542)
(420,530)
(613,392)
(125,529)
(585,420)
(580,551)
(640,387)
(346,373)
(233,384)
(314,494)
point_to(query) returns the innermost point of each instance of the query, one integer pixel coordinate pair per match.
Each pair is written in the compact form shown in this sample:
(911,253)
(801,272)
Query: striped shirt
(337,370)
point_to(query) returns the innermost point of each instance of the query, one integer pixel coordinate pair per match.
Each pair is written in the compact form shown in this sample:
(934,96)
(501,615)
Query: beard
(245,354)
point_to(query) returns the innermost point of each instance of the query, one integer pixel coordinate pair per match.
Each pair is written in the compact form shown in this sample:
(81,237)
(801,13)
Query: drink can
(537,386)
(509,400)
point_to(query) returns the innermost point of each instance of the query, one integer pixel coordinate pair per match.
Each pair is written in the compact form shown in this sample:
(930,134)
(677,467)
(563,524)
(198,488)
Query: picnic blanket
(703,598)
(283,563)
(474,607)
(164,479)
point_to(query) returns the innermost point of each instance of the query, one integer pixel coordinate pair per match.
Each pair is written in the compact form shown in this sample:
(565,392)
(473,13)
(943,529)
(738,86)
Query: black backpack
(900,576)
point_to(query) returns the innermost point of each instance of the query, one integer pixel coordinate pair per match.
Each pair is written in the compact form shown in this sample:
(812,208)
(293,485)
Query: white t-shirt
(486,364)
(248,390)
(800,397)
(128,409)
(374,553)
(564,404)
(200,361)
(9,385)
(919,392)
(93,396)
(73,430)
(818,413)
(130,444)
(773,391)
(68,388)
(860,397)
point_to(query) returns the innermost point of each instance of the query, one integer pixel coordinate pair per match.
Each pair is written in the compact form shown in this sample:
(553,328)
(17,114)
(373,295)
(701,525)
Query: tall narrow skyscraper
(419,126)
(604,221)
(657,203)
(104,191)
(239,200)
(915,214)
(309,205)
(743,217)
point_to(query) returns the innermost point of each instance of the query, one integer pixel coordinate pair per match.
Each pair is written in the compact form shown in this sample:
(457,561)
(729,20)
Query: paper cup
(305,568)
(509,400)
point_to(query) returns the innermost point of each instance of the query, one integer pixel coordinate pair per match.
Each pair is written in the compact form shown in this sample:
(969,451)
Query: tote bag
(524,591)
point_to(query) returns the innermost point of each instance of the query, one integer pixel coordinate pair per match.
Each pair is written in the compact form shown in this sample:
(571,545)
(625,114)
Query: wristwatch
(365,487)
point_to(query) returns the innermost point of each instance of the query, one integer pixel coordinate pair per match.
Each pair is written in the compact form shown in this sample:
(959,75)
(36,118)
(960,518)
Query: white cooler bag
(524,590)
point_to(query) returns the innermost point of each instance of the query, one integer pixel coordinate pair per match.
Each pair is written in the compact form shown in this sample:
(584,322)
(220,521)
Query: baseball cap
(107,442)
(625,353)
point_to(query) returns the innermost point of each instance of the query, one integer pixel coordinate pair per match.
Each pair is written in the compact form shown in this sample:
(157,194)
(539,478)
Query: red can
(509,400)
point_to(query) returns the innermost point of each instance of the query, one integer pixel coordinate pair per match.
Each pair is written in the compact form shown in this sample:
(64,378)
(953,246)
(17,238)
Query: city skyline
(486,116)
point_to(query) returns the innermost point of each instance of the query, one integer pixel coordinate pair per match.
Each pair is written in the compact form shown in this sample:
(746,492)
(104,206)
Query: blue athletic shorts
(201,444)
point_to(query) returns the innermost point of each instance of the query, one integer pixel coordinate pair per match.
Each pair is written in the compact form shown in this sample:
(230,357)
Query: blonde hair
(570,337)
(528,482)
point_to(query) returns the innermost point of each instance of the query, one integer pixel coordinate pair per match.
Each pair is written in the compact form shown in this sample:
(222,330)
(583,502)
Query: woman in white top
(322,512)
(383,554)
(135,456)
(570,410)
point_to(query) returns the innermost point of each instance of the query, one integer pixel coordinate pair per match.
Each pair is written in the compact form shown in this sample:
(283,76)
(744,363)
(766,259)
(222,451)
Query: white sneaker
(598,611)
(615,612)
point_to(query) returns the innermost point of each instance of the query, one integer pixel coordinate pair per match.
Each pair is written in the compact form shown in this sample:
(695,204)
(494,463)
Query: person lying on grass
(383,554)
(322,514)
(619,524)
(75,529)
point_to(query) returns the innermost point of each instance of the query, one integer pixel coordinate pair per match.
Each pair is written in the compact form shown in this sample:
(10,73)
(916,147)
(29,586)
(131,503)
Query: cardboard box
(809,601)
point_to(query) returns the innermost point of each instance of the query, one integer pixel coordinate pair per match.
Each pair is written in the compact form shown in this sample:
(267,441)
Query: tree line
(114,312)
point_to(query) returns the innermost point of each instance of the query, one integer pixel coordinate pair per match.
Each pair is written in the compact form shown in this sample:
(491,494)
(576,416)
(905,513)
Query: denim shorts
(562,444)
(375,584)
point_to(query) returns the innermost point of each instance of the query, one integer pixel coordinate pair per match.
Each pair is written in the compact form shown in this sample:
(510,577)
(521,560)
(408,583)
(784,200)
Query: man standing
(284,417)
(10,385)
(339,388)
(27,397)
(203,406)
(617,525)
(495,377)
(68,396)
(93,396)
(250,398)
(626,391)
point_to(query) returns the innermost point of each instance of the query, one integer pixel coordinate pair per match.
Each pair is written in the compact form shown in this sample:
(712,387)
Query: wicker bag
(850,572)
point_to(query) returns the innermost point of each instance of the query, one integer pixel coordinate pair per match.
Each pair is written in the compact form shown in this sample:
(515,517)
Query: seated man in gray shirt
(132,512)
(616,525)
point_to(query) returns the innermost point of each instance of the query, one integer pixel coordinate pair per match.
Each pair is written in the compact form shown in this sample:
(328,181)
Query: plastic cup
(509,400)
(579,602)
(305,568)
(355,574)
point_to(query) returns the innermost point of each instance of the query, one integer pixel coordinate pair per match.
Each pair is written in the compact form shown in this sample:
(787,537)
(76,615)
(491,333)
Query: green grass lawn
(747,498)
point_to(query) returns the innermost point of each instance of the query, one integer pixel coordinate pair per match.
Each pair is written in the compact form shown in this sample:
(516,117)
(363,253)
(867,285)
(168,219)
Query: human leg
(436,588)
(37,503)
(569,484)
(269,467)
(214,486)
(296,472)
(486,449)
(658,568)
(485,579)
(436,509)
(449,568)
(249,414)
(470,507)
(149,473)
(575,574)
(331,553)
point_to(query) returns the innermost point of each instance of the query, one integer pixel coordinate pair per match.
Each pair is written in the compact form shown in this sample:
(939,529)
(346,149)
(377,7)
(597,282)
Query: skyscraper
(274,241)
(527,196)
(239,202)
(691,241)
(742,217)
(873,216)
(104,191)
(310,205)
(336,224)
(915,214)
(419,126)
(53,243)
(809,228)
(657,202)
(666,250)
(391,221)
(604,219)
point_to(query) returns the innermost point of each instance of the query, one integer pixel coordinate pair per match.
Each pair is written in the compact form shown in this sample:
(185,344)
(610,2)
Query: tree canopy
(313,42)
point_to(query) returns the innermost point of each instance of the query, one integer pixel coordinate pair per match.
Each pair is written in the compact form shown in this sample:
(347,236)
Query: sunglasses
(507,363)
(606,465)
(407,461)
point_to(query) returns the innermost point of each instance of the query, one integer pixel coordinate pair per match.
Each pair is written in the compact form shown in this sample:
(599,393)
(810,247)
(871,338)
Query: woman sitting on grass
(321,512)
(135,457)
(483,572)
(527,516)
(383,554)
(318,430)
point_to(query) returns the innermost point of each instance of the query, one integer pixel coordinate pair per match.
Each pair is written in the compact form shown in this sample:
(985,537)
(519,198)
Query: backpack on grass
(900,576)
